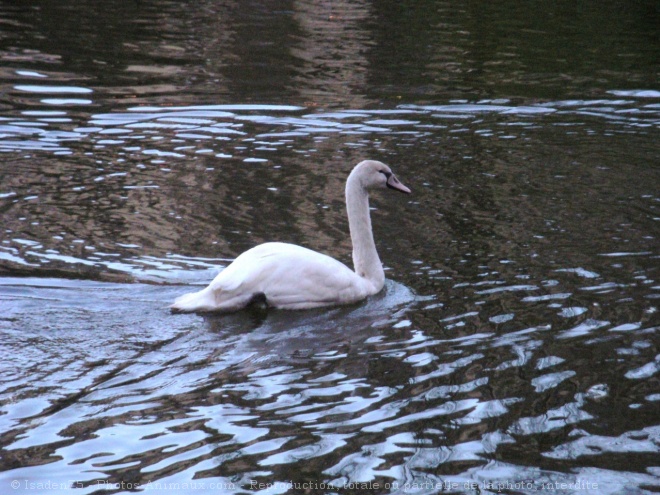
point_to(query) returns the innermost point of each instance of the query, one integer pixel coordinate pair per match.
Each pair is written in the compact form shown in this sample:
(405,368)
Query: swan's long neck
(365,257)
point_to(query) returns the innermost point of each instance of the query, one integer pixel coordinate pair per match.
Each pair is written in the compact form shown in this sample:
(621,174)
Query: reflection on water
(114,397)
(144,147)
(174,171)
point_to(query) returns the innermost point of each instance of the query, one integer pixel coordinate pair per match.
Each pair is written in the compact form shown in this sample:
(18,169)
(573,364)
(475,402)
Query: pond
(145,145)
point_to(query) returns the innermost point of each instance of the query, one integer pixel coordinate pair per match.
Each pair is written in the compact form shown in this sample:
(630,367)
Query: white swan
(293,277)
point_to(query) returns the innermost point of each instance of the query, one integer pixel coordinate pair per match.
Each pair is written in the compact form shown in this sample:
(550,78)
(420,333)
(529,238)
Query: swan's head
(372,174)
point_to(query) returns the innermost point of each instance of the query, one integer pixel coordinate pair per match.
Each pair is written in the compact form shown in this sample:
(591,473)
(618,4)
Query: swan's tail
(204,300)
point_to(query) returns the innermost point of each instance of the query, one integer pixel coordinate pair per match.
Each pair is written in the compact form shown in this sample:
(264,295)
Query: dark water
(146,144)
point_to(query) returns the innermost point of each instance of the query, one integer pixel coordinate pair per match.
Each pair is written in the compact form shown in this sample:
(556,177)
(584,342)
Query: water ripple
(515,353)
(209,121)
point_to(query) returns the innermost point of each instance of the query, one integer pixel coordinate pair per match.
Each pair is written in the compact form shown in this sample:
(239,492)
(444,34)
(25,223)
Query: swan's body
(294,277)
(288,276)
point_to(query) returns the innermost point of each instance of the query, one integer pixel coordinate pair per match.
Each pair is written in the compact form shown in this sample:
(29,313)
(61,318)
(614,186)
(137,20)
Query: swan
(288,276)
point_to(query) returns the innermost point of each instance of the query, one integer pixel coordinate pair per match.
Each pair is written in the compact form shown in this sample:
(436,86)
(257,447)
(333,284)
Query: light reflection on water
(142,395)
(515,341)
(506,353)
(201,125)
(146,167)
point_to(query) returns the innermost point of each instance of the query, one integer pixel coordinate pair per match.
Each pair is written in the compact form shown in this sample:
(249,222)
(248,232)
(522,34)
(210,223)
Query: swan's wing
(290,277)
(313,281)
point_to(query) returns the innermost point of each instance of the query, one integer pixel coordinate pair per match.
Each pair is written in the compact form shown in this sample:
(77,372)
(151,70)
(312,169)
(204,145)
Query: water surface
(145,145)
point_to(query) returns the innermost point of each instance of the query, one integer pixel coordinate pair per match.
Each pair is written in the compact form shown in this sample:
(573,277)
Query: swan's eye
(386,174)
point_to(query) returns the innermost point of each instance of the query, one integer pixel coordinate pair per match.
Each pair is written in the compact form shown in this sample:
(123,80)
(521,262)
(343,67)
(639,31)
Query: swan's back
(286,275)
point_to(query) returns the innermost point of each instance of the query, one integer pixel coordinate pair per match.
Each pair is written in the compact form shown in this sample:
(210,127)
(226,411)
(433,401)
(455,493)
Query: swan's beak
(393,183)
